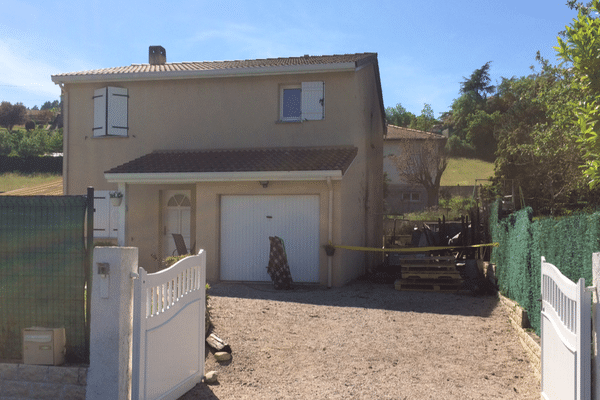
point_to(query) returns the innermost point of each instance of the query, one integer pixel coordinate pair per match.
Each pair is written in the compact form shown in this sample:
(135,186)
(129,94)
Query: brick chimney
(157,55)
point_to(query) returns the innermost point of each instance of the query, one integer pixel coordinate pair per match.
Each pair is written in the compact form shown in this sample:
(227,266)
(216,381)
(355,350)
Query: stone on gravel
(222,356)
(211,377)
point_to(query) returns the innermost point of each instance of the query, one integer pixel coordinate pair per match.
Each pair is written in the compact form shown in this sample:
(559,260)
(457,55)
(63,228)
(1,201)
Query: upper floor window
(110,112)
(303,102)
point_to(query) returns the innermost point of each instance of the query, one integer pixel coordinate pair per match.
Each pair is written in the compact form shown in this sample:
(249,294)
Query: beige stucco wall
(206,217)
(236,112)
(205,114)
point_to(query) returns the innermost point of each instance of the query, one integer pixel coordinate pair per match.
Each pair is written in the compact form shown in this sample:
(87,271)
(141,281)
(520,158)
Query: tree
(480,133)
(45,116)
(399,116)
(422,163)
(478,84)
(424,122)
(581,48)
(537,140)
(11,115)
(472,119)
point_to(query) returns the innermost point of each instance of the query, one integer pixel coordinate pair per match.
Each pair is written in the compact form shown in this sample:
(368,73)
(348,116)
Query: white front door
(177,219)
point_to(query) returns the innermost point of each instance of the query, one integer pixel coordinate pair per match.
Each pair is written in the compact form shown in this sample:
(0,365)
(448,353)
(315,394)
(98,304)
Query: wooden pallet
(428,267)
(427,274)
(429,285)
(396,258)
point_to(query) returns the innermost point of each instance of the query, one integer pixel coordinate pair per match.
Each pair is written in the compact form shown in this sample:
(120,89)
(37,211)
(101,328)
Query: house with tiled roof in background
(228,153)
(401,196)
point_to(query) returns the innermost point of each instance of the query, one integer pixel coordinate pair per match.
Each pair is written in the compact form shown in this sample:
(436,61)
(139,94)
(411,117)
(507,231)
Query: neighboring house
(228,153)
(403,197)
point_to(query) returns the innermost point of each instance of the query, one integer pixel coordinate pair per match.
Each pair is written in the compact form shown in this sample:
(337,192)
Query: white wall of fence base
(109,374)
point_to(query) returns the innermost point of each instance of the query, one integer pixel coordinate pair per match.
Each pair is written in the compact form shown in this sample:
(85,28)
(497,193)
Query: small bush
(32,144)
(54,144)
(37,142)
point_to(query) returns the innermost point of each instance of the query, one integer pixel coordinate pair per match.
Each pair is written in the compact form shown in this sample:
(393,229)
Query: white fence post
(109,374)
(595,321)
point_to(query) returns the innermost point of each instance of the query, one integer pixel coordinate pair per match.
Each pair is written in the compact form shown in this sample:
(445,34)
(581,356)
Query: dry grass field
(14,184)
(464,171)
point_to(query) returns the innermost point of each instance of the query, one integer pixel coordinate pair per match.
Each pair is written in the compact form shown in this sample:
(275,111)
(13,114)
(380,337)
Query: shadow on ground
(365,293)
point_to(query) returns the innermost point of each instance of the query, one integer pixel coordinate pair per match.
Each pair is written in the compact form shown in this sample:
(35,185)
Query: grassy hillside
(464,171)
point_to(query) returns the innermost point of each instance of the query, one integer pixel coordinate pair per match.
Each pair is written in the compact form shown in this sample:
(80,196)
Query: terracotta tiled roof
(398,132)
(242,65)
(242,160)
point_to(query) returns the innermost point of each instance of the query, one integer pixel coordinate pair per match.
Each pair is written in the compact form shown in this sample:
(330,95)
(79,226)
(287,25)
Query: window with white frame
(110,112)
(304,102)
(411,196)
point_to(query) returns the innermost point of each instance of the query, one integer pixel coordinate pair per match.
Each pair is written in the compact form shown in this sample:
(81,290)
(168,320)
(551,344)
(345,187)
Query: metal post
(88,267)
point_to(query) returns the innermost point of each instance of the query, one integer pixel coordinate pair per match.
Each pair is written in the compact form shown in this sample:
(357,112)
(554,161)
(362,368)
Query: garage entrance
(248,221)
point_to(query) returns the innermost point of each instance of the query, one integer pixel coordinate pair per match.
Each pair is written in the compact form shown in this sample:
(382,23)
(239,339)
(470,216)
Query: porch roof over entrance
(283,163)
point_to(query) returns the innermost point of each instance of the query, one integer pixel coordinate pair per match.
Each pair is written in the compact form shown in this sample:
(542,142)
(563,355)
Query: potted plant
(329,249)
(116,198)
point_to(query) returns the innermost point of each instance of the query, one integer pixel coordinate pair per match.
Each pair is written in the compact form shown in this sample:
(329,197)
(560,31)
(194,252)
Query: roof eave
(193,177)
(196,74)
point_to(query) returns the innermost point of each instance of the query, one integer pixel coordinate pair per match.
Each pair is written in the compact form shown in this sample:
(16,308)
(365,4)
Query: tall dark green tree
(473,117)
(478,84)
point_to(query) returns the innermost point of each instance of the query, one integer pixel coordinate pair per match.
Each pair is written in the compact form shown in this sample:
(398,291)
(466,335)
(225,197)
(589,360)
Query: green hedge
(567,243)
(31,164)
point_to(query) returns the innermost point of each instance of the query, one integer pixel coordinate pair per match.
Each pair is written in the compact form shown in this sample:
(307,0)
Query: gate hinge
(134,275)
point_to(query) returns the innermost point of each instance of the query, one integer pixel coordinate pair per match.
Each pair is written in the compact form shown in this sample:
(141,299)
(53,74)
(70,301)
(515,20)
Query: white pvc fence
(168,329)
(566,336)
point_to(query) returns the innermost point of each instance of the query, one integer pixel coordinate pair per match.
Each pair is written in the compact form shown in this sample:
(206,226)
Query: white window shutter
(99,112)
(117,112)
(106,216)
(101,213)
(313,100)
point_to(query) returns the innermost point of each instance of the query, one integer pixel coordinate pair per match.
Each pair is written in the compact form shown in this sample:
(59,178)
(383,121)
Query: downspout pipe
(330,233)
(65,116)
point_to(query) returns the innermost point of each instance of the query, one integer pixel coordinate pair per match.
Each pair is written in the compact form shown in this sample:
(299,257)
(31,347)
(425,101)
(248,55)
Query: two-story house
(228,153)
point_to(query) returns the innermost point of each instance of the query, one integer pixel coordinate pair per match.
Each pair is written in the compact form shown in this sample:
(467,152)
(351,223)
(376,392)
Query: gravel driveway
(364,341)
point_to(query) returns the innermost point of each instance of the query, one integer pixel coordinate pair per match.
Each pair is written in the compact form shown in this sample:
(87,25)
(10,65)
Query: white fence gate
(566,336)
(168,330)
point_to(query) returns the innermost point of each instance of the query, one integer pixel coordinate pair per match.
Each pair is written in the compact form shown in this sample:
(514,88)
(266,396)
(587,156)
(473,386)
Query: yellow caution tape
(414,249)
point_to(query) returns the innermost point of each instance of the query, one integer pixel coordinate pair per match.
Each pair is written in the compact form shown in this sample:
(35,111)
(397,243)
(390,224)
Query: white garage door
(248,221)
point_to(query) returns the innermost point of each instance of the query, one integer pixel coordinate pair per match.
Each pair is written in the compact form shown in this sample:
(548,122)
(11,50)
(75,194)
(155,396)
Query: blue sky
(424,48)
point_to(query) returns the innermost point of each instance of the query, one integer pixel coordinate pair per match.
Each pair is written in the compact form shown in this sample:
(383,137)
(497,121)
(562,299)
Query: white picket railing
(566,336)
(168,329)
